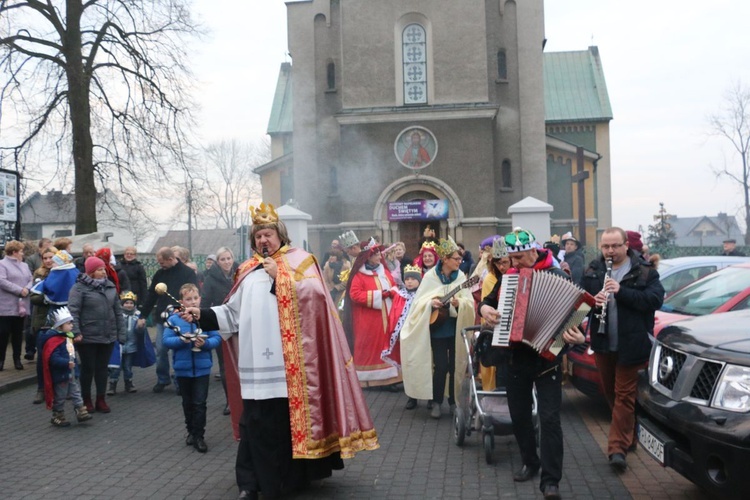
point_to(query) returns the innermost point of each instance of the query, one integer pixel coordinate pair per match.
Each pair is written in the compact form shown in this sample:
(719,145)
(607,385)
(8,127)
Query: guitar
(438,316)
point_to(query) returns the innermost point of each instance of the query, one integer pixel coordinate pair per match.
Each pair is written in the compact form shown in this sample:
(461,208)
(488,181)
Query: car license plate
(651,443)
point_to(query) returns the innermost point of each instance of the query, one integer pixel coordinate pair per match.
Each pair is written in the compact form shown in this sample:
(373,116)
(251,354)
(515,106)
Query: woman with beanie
(97,324)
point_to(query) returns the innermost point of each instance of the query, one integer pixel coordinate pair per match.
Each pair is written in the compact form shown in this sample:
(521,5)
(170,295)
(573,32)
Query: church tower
(408,113)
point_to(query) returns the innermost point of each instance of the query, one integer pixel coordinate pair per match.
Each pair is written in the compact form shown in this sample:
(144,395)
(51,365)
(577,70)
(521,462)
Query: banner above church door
(418,210)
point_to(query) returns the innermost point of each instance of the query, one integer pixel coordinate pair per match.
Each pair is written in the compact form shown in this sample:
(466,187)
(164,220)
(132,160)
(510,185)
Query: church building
(399,114)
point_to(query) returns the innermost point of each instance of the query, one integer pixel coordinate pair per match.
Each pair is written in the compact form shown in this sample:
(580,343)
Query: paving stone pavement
(138,451)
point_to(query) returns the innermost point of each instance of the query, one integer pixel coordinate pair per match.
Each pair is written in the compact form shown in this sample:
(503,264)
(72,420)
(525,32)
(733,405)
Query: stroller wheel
(489,446)
(459,426)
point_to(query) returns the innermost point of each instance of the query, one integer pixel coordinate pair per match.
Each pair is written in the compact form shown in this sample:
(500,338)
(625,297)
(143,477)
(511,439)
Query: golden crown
(446,247)
(428,244)
(264,214)
(128,296)
(412,269)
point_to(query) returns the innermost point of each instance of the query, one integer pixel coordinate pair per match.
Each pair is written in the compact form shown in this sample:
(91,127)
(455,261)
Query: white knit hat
(60,316)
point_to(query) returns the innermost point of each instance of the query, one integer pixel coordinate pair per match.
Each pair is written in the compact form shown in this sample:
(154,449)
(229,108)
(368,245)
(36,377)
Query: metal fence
(672,252)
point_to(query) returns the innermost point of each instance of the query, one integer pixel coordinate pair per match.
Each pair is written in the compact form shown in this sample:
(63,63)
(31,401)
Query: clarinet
(603,315)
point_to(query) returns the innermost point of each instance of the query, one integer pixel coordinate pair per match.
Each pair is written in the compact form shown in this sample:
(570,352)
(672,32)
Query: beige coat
(416,353)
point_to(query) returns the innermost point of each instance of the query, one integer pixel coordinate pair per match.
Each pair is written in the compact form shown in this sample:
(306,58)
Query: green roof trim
(281,111)
(574,87)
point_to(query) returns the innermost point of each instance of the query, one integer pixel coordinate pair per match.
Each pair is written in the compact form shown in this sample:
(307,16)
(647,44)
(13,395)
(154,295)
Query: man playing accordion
(528,368)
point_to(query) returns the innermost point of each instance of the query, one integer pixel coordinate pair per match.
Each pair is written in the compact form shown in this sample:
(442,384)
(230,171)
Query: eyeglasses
(457,259)
(614,246)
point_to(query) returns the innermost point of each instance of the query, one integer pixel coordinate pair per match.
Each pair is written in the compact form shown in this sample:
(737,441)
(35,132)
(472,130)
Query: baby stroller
(484,411)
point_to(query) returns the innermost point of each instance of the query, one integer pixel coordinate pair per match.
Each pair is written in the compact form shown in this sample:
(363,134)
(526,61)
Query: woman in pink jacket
(15,283)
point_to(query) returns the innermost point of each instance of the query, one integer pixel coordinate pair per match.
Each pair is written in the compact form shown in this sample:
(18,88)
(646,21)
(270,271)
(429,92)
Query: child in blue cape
(124,353)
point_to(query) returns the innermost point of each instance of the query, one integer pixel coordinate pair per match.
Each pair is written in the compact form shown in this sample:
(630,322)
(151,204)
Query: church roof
(57,207)
(281,111)
(574,87)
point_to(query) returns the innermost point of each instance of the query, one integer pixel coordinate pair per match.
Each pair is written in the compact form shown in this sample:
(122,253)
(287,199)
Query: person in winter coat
(97,324)
(60,369)
(174,274)
(574,257)
(632,295)
(136,274)
(15,284)
(39,309)
(128,347)
(192,365)
(219,279)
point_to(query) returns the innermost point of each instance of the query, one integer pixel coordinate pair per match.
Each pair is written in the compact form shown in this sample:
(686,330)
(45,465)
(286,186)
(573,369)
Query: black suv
(694,402)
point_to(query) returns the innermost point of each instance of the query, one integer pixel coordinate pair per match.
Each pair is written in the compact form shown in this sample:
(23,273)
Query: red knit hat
(634,241)
(92,264)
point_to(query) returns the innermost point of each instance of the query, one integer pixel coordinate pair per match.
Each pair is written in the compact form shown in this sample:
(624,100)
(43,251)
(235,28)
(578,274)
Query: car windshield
(664,266)
(708,294)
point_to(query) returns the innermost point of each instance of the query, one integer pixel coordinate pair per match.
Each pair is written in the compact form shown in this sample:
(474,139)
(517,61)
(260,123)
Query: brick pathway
(138,451)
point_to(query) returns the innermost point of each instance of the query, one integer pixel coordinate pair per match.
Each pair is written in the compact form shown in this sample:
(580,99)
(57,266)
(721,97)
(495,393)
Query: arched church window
(502,65)
(331,75)
(414,46)
(505,174)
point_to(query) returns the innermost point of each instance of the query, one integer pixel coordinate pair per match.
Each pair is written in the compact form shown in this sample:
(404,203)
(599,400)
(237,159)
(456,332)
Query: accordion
(536,307)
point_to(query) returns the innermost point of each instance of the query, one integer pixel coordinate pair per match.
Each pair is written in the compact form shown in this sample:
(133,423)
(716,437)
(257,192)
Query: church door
(411,233)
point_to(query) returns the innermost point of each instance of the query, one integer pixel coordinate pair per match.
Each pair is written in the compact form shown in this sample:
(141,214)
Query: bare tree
(228,183)
(733,124)
(102,81)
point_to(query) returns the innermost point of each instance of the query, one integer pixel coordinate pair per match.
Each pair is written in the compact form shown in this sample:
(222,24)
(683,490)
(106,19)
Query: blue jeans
(162,357)
(194,391)
(126,366)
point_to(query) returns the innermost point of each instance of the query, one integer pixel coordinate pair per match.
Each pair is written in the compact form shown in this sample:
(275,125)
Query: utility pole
(190,217)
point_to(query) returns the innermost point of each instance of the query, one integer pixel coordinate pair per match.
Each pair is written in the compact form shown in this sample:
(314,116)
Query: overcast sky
(667,66)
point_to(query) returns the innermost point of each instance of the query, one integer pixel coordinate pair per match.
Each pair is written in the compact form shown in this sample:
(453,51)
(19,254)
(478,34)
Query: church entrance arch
(410,228)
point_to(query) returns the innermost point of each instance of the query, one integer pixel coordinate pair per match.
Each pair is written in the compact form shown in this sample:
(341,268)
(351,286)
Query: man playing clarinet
(620,335)
(527,368)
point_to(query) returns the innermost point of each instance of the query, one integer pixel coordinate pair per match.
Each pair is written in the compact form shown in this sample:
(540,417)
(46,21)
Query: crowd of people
(298,339)
(405,335)
(98,305)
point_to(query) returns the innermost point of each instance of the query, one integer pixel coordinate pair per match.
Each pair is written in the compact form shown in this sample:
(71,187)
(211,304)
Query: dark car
(725,290)
(694,402)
